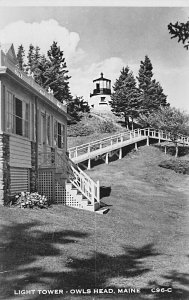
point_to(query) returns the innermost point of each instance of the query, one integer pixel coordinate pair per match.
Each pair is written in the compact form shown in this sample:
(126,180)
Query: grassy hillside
(141,243)
(90,128)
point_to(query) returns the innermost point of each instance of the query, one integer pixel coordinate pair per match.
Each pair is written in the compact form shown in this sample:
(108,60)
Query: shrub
(106,127)
(179,166)
(79,129)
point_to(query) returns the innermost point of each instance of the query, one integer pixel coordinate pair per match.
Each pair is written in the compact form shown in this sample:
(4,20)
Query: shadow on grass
(169,291)
(105,191)
(24,246)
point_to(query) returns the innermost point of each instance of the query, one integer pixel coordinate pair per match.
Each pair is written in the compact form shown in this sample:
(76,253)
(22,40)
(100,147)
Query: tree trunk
(132,124)
(126,122)
(176,148)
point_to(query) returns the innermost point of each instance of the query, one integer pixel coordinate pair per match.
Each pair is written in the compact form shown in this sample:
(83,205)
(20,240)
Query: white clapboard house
(33,141)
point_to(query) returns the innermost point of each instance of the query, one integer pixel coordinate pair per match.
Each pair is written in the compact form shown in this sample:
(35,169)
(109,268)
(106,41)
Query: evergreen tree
(151,92)
(76,106)
(180,31)
(20,57)
(125,100)
(56,74)
(30,58)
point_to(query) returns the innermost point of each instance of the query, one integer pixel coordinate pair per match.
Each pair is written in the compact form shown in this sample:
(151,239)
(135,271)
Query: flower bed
(29,200)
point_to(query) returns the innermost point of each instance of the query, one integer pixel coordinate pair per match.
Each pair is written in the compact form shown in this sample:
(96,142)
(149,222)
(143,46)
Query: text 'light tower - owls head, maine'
(99,99)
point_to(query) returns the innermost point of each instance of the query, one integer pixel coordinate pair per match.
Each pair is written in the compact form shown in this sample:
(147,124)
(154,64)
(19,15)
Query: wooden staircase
(73,186)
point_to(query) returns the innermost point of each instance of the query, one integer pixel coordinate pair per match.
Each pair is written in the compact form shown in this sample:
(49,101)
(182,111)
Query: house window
(10,112)
(48,130)
(102,99)
(97,86)
(33,116)
(17,116)
(59,134)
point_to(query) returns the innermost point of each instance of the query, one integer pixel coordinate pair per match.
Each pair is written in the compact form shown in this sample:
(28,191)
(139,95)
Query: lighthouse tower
(99,99)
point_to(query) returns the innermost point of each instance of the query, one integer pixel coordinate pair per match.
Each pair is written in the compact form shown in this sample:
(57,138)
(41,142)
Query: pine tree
(151,92)
(125,100)
(120,81)
(56,74)
(180,31)
(145,73)
(30,58)
(20,57)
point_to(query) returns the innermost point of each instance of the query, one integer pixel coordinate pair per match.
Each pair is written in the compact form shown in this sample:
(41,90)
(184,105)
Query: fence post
(159,135)
(89,164)
(98,191)
(75,152)
(106,158)
(136,148)
(120,153)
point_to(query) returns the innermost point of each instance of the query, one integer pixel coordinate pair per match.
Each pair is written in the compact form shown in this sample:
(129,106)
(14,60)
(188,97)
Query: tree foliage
(125,99)
(76,106)
(171,120)
(51,72)
(56,74)
(181,31)
(151,92)
(20,57)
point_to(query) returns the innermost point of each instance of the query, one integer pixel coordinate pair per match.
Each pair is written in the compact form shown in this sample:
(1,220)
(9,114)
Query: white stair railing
(89,188)
(80,180)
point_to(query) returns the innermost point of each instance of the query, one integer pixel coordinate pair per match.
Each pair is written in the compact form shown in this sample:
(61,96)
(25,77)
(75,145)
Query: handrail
(89,188)
(102,143)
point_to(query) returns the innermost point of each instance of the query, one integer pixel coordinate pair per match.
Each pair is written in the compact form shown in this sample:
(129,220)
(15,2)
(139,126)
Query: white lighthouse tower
(100,97)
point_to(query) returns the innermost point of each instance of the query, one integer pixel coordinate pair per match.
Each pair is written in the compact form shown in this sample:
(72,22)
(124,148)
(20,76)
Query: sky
(105,39)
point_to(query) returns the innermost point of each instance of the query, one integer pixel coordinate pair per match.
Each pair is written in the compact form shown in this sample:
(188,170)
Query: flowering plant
(30,200)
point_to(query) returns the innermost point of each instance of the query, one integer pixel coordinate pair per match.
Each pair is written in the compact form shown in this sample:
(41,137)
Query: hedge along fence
(179,166)
(169,148)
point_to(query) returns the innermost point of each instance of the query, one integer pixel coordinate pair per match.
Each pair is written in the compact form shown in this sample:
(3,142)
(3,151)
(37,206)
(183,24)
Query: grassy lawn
(141,243)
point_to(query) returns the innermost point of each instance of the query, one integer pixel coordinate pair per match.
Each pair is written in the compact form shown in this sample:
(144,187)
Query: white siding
(20,152)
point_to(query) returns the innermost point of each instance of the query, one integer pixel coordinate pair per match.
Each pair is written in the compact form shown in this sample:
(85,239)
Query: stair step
(102,210)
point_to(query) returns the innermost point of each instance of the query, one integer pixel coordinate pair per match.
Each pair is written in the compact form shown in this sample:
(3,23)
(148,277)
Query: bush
(179,166)
(106,127)
(29,200)
(79,129)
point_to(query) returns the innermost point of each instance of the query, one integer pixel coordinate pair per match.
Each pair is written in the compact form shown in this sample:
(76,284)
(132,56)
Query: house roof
(8,50)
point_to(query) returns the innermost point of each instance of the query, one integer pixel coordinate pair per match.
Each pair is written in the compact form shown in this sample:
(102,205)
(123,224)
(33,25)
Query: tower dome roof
(101,78)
